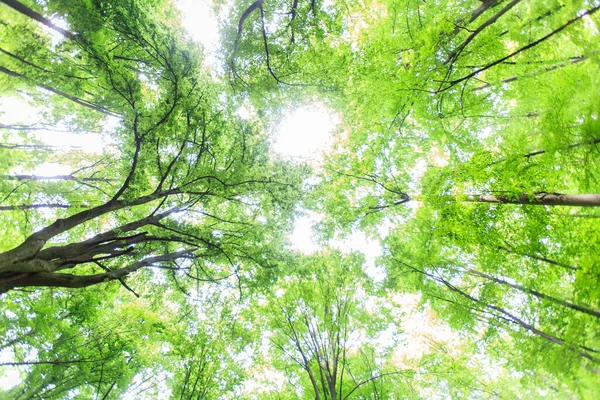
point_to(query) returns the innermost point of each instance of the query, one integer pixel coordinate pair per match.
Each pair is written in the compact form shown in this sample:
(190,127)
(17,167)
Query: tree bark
(572,61)
(476,13)
(35,242)
(53,279)
(543,199)
(456,52)
(53,178)
(576,215)
(485,5)
(520,50)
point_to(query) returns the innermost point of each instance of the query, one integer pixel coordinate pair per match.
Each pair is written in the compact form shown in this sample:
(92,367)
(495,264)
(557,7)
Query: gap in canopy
(305,133)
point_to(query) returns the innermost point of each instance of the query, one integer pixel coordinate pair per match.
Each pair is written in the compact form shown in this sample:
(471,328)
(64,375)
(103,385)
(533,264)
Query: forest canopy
(147,247)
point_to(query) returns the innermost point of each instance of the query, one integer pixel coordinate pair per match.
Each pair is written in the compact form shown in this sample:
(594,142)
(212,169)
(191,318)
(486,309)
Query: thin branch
(522,49)
(74,99)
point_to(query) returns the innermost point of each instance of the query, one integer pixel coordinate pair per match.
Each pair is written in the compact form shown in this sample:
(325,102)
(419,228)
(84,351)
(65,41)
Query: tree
(481,130)
(103,344)
(317,322)
(180,152)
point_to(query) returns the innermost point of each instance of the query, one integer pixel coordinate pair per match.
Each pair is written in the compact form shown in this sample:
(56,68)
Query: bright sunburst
(305,133)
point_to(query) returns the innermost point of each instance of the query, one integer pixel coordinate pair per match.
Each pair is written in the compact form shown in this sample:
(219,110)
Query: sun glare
(305,133)
(200,21)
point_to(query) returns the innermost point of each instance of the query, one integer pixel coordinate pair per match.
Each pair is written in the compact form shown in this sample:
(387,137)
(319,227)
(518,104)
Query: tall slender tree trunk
(537,294)
(476,13)
(456,52)
(485,5)
(539,258)
(576,215)
(69,177)
(582,350)
(572,61)
(520,50)
(34,206)
(525,325)
(541,199)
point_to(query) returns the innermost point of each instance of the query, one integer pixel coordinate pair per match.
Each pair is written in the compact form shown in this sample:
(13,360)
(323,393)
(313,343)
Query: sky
(305,133)
(202,25)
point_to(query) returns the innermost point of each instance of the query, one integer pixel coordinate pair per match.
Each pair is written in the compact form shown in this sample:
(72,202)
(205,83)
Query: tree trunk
(572,61)
(543,199)
(539,258)
(518,51)
(576,215)
(485,5)
(456,52)
(523,324)
(53,178)
(36,241)
(580,349)
(476,13)
(535,293)
(53,279)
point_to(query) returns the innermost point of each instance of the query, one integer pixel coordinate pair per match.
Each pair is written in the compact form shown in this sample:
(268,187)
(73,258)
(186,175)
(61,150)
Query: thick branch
(79,248)
(35,242)
(23,9)
(456,52)
(53,279)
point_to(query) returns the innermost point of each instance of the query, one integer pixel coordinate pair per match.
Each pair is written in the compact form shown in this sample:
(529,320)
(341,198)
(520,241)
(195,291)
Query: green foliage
(158,265)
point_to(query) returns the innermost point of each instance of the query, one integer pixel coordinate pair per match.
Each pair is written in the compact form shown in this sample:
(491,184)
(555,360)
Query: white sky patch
(305,133)
(10,376)
(200,21)
(304,241)
(140,386)
(303,237)
(88,143)
(421,330)
(590,25)
(416,173)
(17,111)
(55,37)
(51,169)
(244,112)
(370,248)
(14,110)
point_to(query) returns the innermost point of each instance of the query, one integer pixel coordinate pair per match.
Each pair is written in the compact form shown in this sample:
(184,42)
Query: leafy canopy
(159,265)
